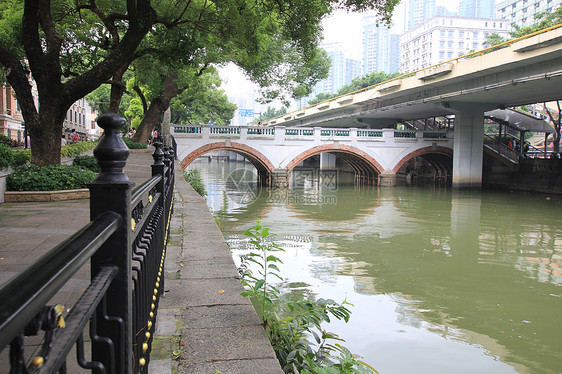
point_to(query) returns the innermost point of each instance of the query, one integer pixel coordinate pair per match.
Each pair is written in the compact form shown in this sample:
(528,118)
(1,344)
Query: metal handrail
(25,295)
(109,242)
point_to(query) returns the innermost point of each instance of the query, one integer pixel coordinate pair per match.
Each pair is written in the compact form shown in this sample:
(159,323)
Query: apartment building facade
(522,12)
(444,38)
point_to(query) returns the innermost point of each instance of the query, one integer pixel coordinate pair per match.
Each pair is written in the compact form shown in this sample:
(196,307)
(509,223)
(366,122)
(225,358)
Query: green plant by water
(294,326)
(193,177)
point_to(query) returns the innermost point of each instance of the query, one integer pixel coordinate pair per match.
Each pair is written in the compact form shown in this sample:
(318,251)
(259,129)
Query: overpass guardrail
(125,243)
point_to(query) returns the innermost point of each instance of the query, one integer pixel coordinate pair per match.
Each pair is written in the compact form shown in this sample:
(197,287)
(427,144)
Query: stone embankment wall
(531,175)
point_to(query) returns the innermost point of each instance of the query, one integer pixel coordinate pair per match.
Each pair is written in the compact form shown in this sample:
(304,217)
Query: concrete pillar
(279,178)
(468,145)
(387,179)
(327,161)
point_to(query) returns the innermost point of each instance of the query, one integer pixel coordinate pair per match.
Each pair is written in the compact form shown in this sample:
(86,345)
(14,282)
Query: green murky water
(441,281)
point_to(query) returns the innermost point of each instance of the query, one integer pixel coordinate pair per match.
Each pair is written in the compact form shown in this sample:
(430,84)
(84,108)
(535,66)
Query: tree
(271,113)
(70,47)
(543,20)
(356,84)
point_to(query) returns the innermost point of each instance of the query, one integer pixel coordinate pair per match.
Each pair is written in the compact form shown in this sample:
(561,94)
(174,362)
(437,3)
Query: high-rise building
(477,8)
(444,38)
(380,48)
(522,12)
(353,69)
(342,71)
(336,77)
(418,11)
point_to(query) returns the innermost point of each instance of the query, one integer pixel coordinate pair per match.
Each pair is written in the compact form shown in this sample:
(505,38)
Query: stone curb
(202,315)
(37,196)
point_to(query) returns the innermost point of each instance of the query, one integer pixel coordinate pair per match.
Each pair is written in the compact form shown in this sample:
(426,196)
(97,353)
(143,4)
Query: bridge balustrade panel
(368,134)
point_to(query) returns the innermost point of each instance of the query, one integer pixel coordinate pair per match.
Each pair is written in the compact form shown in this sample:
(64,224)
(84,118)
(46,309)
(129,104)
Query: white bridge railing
(301,133)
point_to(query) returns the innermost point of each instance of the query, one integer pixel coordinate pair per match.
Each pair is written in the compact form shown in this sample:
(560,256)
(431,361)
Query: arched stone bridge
(375,155)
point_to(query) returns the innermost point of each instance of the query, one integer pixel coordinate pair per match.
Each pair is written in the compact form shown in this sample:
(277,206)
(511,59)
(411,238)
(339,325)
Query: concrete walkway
(201,306)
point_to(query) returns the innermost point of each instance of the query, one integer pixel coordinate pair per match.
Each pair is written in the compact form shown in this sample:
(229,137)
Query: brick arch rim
(340,148)
(420,152)
(251,153)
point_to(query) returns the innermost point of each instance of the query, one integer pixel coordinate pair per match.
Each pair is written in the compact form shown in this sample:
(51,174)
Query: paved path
(221,330)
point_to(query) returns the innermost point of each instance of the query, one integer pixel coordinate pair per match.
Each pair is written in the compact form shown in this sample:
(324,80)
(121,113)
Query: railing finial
(111,152)
(158,155)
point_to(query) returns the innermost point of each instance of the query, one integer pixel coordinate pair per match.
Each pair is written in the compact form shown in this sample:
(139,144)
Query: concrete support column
(387,179)
(468,145)
(279,178)
(327,161)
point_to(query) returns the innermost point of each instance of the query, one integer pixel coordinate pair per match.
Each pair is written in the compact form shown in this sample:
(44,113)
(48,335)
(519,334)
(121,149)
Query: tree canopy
(71,47)
(356,84)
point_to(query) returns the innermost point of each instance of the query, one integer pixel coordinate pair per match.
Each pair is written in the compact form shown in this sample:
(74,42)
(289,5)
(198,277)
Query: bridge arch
(440,158)
(262,164)
(366,168)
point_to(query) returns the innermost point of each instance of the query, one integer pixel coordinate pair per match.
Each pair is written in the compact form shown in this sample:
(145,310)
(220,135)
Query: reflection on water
(441,281)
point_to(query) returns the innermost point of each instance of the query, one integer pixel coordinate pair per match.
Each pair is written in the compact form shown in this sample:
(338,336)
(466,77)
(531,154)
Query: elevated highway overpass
(525,71)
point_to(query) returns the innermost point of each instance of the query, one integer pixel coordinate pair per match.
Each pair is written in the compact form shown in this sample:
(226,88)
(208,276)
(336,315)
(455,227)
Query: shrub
(194,179)
(6,156)
(132,145)
(4,139)
(292,324)
(87,162)
(21,156)
(9,142)
(31,177)
(71,150)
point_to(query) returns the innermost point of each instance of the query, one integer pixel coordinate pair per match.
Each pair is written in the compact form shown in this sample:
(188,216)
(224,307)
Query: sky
(345,27)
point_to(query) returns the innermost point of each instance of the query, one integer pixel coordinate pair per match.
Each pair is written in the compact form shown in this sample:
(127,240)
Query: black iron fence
(125,243)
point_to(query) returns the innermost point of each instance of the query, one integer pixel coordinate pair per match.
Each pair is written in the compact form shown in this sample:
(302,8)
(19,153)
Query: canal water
(441,281)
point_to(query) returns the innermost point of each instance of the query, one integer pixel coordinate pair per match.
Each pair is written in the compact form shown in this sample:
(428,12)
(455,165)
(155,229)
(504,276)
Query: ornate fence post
(111,191)
(159,168)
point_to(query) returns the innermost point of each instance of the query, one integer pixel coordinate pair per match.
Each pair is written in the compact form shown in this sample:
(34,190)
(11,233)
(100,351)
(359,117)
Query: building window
(461,44)
(449,55)
(450,44)
(441,54)
(450,34)
(475,45)
(442,44)
(461,34)
(475,34)
(442,34)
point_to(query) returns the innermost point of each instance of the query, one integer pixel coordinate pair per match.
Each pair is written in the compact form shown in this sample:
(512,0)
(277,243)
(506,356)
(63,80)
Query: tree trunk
(165,128)
(43,45)
(157,107)
(149,122)
(117,90)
